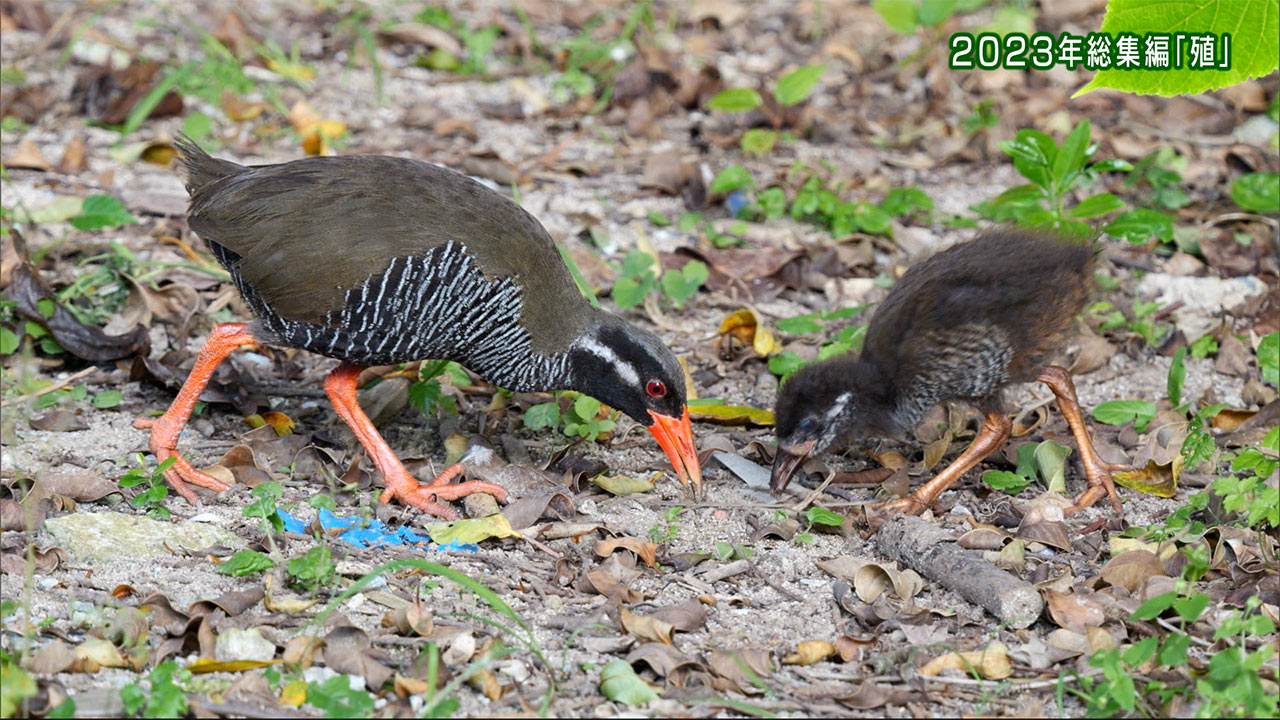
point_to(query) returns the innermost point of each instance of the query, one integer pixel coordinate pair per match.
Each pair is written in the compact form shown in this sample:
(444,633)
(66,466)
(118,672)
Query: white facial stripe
(837,407)
(625,369)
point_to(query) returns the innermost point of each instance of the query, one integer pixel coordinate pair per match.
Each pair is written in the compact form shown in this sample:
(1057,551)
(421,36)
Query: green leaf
(735,100)
(730,179)
(101,212)
(1255,43)
(799,324)
(313,569)
(542,415)
(900,15)
(1139,226)
(637,263)
(335,698)
(1072,155)
(9,341)
(796,85)
(759,141)
(659,219)
(586,407)
(1141,651)
(627,292)
(246,562)
(1177,376)
(619,683)
(772,202)
(822,516)
(1051,461)
(1096,205)
(197,125)
(1121,412)
(1174,650)
(934,12)
(107,399)
(1269,358)
(1006,481)
(902,201)
(785,363)
(1190,608)
(1259,192)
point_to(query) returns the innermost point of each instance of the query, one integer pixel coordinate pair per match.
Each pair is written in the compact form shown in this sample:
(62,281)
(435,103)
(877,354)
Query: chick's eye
(656,388)
(808,425)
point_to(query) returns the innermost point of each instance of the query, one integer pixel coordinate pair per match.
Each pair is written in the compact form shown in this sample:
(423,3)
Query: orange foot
(164,445)
(405,488)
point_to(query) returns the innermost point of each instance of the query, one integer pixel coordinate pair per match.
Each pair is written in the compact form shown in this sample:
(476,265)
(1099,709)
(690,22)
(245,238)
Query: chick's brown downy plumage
(964,324)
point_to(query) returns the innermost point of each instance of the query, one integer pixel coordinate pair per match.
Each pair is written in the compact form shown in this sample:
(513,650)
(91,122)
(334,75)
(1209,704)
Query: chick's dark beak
(785,462)
(675,435)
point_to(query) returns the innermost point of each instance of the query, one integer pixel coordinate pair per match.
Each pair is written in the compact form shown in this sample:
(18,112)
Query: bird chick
(964,324)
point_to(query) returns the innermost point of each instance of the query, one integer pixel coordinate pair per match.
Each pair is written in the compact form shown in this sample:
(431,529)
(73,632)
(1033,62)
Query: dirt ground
(885,114)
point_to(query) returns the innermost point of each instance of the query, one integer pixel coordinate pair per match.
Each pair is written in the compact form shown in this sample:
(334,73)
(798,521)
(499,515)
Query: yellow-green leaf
(472,530)
(623,485)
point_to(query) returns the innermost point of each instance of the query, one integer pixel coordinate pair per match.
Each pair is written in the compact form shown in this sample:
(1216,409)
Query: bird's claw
(409,491)
(164,445)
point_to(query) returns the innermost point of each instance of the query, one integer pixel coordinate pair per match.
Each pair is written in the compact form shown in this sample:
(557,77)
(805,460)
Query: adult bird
(378,260)
(964,324)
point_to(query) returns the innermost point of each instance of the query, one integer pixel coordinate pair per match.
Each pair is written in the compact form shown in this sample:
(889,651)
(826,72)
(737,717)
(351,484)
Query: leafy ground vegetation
(745,178)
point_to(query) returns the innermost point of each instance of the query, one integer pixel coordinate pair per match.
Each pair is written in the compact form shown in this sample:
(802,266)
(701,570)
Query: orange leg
(1097,470)
(340,386)
(165,429)
(996,429)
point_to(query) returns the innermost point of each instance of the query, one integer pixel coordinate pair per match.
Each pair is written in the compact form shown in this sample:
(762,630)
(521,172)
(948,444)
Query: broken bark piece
(932,552)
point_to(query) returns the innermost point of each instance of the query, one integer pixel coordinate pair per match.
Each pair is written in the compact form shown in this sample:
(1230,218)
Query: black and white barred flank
(435,306)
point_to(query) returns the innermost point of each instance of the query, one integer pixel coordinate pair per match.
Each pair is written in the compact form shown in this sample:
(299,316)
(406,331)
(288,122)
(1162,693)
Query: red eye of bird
(656,388)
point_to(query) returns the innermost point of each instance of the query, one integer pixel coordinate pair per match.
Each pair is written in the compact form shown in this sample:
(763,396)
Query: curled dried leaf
(810,652)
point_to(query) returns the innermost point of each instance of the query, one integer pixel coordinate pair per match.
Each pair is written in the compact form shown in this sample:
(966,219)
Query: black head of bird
(962,325)
(378,260)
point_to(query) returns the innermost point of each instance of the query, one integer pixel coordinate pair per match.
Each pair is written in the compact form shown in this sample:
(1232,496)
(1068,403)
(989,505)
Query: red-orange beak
(675,435)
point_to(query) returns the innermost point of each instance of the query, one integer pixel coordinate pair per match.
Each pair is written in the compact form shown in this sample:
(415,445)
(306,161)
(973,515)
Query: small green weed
(848,338)
(267,496)
(983,117)
(477,44)
(1160,170)
(817,516)
(591,64)
(1257,192)
(582,419)
(638,277)
(791,89)
(666,530)
(313,569)
(246,562)
(426,394)
(157,489)
(166,697)
(336,698)
(1055,171)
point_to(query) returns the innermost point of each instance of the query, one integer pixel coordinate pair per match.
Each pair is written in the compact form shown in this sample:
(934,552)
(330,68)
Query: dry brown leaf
(992,662)
(872,580)
(27,156)
(300,650)
(643,549)
(646,627)
(810,652)
(747,329)
(984,538)
(54,657)
(347,650)
(1073,611)
(742,668)
(688,616)
(1131,570)
(95,653)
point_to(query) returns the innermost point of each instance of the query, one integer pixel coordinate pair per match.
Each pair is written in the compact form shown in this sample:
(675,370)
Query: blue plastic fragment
(368,532)
(737,200)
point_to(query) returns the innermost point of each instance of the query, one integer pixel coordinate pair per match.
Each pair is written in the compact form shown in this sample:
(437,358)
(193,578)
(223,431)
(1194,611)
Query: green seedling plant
(1044,461)
(1161,170)
(591,64)
(1257,192)
(583,419)
(638,277)
(668,528)
(312,570)
(983,117)
(908,16)
(725,552)
(156,489)
(426,393)
(791,89)
(1055,171)
(1143,321)
(817,516)
(477,44)
(847,339)
(166,697)
(336,698)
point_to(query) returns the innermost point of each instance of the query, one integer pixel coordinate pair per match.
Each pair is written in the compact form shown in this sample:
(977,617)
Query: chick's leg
(340,386)
(996,428)
(1097,470)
